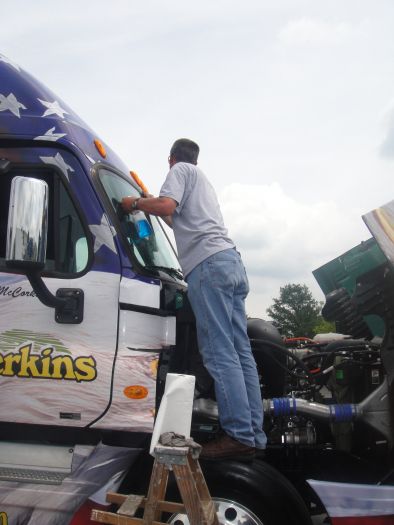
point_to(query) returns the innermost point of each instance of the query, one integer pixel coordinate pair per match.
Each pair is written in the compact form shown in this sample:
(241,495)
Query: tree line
(297,314)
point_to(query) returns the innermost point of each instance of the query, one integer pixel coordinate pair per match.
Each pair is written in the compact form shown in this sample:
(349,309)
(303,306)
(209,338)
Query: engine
(334,393)
(324,391)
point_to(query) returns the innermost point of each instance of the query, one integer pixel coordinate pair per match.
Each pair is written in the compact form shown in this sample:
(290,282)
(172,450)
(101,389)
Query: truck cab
(85,311)
(93,314)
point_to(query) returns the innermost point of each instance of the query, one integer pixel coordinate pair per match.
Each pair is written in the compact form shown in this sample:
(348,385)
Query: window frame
(136,265)
(59,181)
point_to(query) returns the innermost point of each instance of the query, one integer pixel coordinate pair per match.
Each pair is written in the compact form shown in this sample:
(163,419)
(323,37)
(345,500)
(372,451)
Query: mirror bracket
(72,311)
(68,302)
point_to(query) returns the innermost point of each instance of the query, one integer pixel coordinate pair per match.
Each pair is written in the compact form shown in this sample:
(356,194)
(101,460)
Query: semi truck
(94,315)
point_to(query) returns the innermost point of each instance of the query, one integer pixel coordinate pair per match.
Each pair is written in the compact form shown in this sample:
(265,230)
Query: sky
(291,102)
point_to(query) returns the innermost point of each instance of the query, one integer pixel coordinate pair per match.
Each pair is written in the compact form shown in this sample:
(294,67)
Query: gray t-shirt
(197,221)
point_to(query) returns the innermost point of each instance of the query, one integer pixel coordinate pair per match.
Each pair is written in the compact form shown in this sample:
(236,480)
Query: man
(217,288)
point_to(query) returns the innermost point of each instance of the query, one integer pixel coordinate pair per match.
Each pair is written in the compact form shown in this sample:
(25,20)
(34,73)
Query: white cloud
(283,240)
(387,146)
(310,31)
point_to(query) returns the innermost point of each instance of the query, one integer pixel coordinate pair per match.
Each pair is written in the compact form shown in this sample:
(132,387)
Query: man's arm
(168,220)
(163,207)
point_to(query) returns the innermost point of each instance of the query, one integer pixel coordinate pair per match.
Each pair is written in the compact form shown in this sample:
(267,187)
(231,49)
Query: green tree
(295,311)
(322,326)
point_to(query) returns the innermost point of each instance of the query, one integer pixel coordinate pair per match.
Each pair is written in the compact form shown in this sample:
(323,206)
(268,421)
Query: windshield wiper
(171,271)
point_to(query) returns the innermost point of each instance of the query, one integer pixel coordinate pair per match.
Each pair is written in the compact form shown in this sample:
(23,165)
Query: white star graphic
(50,135)
(59,162)
(10,103)
(54,108)
(10,62)
(104,235)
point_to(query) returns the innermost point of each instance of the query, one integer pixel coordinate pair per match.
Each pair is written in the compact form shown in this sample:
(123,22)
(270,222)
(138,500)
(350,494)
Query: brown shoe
(226,447)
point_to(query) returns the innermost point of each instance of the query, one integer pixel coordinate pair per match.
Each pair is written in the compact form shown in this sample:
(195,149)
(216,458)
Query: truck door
(53,373)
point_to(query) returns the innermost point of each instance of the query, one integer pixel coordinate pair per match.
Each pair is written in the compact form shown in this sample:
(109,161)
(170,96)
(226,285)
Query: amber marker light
(100,148)
(135,392)
(139,182)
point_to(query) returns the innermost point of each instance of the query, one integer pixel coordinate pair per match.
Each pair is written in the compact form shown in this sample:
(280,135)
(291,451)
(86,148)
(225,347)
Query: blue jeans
(217,289)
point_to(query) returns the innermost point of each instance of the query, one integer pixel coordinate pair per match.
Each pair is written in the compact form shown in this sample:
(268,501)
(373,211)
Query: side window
(72,250)
(67,246)
(151,249)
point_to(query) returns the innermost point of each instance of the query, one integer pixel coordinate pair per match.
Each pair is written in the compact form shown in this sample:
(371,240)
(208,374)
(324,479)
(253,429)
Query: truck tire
(251,494)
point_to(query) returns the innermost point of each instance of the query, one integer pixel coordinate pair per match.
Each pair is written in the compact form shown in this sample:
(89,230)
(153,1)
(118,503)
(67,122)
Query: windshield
(149,244)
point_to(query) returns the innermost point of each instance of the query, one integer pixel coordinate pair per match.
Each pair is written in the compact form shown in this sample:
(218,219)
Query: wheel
(229,512)
(251,494)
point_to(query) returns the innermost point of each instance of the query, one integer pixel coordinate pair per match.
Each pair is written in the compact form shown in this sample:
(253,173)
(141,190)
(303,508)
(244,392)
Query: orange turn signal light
(100,148)
(135,392)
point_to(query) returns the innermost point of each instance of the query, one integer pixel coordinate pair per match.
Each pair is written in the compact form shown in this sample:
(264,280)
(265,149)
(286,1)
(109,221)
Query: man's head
(184,150)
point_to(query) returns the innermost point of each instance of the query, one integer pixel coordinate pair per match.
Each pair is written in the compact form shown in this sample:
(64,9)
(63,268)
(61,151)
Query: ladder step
(165,506)
(130,505)
(110,518)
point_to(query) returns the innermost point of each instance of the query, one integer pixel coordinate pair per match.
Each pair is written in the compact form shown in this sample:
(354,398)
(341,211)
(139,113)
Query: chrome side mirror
(27,224)
(27,243)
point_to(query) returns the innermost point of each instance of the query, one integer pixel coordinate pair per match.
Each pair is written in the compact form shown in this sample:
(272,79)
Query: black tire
(261,491)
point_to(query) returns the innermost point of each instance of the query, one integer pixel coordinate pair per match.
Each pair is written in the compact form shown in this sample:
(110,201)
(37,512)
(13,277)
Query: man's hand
(126,203)
(161,206)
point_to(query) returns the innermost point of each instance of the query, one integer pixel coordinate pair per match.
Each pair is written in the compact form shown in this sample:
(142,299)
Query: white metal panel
(140,293)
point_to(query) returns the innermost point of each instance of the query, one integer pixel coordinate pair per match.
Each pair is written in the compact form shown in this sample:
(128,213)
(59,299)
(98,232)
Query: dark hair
(185,150)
